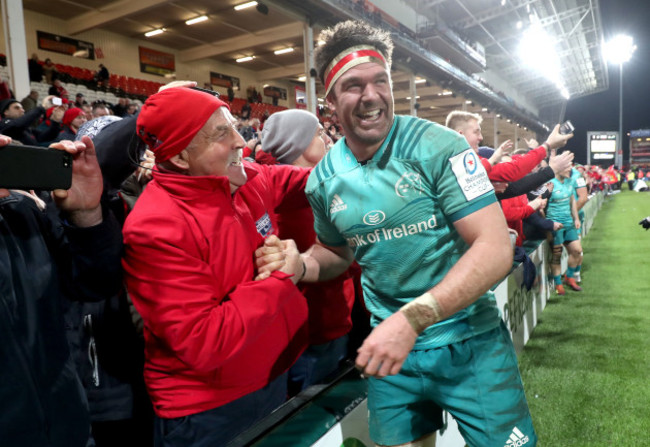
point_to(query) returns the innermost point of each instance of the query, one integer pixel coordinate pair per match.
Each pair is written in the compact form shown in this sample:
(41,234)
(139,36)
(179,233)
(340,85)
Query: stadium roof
(468,47)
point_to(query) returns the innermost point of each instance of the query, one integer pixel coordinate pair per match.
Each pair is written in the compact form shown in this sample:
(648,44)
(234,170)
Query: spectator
(30,101)
(296,137)
(131,109)
(50,71)
(245,112)
(47,260)
(5,91)
(100,109)
(469,125)
(16,123)
(88,111)
(217,342)
(231,94)
(102,76)
(396,194)
(121,107)
(57,89)
(79,100)
(73,119)
(35,69)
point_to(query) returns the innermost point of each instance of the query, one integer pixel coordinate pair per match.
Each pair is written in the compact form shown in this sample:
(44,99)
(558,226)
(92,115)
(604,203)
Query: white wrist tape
(422,312)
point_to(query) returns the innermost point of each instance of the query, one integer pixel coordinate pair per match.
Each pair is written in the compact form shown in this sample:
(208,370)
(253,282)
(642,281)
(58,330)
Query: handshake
(645,222)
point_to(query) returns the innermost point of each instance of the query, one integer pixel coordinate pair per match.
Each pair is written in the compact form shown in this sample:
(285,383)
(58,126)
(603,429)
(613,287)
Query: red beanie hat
(170,119)
(70,115)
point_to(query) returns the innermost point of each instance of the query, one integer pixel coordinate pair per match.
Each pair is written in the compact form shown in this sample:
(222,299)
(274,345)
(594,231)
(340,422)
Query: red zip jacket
(330,302)
(516,210)
(212,334)
(515,169)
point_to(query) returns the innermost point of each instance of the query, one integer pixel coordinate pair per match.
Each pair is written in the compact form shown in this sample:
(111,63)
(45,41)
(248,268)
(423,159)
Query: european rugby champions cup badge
(470,174)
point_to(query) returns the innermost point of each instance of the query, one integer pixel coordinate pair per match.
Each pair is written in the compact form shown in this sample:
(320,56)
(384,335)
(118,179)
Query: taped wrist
(422,312)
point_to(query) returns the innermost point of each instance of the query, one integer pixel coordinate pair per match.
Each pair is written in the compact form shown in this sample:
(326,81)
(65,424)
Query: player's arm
(323,262)
(582,197)
(485,231)
(574,213)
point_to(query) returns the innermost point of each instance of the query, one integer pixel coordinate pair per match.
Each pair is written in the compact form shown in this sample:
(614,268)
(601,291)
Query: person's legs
(575,254)
(400,411)
(217,427)
(316,363)
(479,383)
(556,268)
(426,441)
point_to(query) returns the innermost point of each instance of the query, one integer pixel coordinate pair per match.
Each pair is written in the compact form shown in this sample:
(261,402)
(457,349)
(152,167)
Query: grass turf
(586,369)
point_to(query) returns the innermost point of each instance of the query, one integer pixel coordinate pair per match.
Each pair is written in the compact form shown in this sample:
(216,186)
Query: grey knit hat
(287,134)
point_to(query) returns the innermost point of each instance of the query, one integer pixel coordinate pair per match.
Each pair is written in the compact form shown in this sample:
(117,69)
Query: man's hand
(556,140)
(557,226)
(576,223)
(277,254)
(645,223)
(383,352)
(81,201)
(504,149)
(499,187)
(532,143)
(562,162)
(537,203)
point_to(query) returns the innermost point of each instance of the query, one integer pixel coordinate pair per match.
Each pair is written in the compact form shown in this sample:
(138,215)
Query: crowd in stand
(184,276)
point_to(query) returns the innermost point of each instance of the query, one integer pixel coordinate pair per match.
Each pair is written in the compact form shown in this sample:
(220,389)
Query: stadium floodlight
(537,46)
(154,32)
(618,51)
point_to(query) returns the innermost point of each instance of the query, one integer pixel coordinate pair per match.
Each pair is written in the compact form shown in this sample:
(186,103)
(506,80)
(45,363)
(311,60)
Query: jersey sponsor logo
(470,175)
(374,217)
(387,234)
(580,183)
(337,204)
(517,439)
(410,183)
(264,225)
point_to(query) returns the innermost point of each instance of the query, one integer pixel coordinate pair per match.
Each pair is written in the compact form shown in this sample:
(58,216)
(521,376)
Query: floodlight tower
(618,51)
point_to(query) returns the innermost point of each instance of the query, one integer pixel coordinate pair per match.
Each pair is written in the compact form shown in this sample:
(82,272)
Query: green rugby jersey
(396,212)
(559,204)
(578,182)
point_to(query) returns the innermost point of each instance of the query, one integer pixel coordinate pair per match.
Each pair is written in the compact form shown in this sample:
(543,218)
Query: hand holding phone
(566,128)
(56,101)
(34,167)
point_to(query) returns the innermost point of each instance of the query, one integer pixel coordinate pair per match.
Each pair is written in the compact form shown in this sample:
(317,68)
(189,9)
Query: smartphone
(57,101)
(566,128)
(33,167)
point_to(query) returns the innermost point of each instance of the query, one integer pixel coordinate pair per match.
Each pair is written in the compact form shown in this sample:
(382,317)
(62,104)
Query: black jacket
(20,130)
(42,262)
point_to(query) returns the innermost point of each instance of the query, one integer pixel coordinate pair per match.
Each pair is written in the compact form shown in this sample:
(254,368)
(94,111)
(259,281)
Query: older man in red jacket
(219,335)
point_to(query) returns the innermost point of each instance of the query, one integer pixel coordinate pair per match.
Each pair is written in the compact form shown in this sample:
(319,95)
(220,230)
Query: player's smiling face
(363,101)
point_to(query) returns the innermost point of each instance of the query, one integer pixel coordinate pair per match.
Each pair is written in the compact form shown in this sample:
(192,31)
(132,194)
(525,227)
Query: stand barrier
(335,415)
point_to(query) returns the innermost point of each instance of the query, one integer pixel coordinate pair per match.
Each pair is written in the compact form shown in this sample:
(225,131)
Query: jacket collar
(189,187)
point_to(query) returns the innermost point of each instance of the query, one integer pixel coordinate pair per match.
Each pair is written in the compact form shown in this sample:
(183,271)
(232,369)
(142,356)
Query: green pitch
(586,369)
